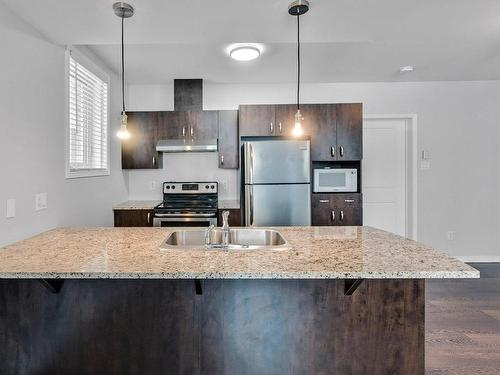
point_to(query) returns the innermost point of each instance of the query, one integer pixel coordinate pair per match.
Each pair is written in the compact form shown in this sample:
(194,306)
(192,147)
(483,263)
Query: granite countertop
(149,205)
(136,205)
(312,252)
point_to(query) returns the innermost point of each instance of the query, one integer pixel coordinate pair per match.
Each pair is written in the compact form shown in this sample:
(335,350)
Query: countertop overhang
(312,253)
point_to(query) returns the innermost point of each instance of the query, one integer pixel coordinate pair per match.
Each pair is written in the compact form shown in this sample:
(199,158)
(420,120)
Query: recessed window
(88,118)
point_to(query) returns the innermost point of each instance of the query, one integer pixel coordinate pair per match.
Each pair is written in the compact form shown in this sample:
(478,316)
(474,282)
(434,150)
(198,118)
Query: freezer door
(277,162)
(278,205)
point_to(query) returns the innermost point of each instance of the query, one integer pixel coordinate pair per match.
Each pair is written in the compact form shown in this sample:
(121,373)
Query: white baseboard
(480,259)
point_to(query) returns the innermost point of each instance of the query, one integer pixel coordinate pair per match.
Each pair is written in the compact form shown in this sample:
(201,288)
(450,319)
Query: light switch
(40,201)
(11,208)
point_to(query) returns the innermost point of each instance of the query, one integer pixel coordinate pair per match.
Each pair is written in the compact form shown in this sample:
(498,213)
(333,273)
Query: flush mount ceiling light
(406,69)
(298,8)
(244,53)
(123,10)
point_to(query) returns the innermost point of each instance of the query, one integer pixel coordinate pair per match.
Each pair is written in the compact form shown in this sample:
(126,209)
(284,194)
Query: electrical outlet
(450,235)
(11,208)
(425,164)
(40,201)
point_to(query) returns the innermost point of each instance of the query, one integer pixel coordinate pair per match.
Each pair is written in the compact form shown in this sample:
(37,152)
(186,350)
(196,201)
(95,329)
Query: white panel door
(384,174)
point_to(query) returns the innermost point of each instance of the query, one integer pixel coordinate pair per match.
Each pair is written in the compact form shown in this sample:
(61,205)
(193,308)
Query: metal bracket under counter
(351,285)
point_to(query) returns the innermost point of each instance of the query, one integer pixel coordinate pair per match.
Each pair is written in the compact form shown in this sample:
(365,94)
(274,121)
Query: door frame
(411,168)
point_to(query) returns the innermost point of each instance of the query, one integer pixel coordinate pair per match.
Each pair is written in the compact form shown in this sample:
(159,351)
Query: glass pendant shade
(297,128)
(123,133)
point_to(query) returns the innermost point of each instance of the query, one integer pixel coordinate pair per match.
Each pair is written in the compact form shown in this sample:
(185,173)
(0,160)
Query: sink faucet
(225,228)
(208,233)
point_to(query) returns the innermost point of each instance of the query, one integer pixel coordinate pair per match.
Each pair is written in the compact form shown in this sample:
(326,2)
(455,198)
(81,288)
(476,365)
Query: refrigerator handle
(249,206)
(250,169)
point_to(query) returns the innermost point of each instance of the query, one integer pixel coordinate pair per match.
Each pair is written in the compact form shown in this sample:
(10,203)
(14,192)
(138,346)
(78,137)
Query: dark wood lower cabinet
(234,327)
(337,209)
(133,218)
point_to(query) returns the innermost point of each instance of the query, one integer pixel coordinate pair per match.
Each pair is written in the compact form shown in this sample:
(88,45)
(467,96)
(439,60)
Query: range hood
(188,96)
(187,145)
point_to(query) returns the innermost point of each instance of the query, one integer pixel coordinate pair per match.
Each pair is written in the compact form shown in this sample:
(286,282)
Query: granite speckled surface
(312,252)
(136,205)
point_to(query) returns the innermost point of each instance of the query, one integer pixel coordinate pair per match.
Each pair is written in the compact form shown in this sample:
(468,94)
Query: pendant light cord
(298,62)
(123,68)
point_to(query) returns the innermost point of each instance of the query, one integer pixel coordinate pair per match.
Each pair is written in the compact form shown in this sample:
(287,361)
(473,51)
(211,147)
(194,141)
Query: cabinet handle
(192,132)
(222,160)
(324,201)
(149,217)
(349,200)
(332,151)
(280,127)
(154,161)
(183,131)
(341,151)
(341,215)
(333,215)
(271,127)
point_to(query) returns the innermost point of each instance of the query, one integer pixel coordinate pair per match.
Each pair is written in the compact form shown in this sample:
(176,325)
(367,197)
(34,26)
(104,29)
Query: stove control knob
(168,187)
(206,186)
(213,187)
(173,186)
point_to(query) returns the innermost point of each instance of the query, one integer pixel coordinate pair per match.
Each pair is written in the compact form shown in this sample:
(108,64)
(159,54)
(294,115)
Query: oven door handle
(185,215)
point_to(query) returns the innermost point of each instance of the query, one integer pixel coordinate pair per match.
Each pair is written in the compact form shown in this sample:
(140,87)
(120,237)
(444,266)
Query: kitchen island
(343,300)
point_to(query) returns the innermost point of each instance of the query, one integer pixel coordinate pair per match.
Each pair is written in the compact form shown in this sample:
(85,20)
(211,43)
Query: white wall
(32,109)
(457,123)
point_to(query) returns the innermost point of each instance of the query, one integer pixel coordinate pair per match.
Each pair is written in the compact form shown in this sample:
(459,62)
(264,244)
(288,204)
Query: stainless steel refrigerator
(276,182)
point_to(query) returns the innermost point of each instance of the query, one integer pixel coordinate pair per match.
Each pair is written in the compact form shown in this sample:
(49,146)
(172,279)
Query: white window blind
(88,122)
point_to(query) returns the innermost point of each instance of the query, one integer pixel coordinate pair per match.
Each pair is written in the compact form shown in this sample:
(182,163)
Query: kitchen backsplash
(147,184)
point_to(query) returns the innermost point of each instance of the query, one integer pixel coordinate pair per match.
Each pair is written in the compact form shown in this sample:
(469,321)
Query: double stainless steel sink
(239,239)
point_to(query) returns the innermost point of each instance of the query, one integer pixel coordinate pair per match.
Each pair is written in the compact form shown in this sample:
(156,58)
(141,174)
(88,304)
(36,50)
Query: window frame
(104,76)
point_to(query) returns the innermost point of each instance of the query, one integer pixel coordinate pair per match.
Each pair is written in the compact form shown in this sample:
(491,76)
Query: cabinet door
(322,210)
(133,218)
(203,125)
(320,124)
(350,131)
(228,140)
(139,151)
(348,208)
(285,119)
(337,209)
(256,120)
(173,125)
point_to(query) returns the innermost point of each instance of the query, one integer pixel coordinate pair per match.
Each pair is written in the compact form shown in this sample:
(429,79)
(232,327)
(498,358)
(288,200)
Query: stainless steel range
(187,204)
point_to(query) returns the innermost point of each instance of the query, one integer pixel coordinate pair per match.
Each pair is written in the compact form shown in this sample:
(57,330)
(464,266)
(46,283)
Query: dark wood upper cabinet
(337,209)
(173,125)
(257,120)
(319,122)
(203,124)
(350,131)
(139,151)
(285,119)
(228,140)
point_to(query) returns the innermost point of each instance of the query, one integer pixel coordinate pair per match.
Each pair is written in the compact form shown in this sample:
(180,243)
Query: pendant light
(123,10)
(298,8)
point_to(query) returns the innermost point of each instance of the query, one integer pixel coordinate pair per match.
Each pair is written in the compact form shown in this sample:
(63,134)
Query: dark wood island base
(104,326)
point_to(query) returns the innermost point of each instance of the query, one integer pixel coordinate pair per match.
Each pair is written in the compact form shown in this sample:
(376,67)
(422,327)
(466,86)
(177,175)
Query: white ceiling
(343,40)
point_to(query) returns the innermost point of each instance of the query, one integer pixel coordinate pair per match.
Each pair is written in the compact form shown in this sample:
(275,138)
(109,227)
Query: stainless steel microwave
(335,180)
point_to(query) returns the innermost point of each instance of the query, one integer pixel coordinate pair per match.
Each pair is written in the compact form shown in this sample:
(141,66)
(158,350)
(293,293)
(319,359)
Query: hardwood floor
(463,324)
